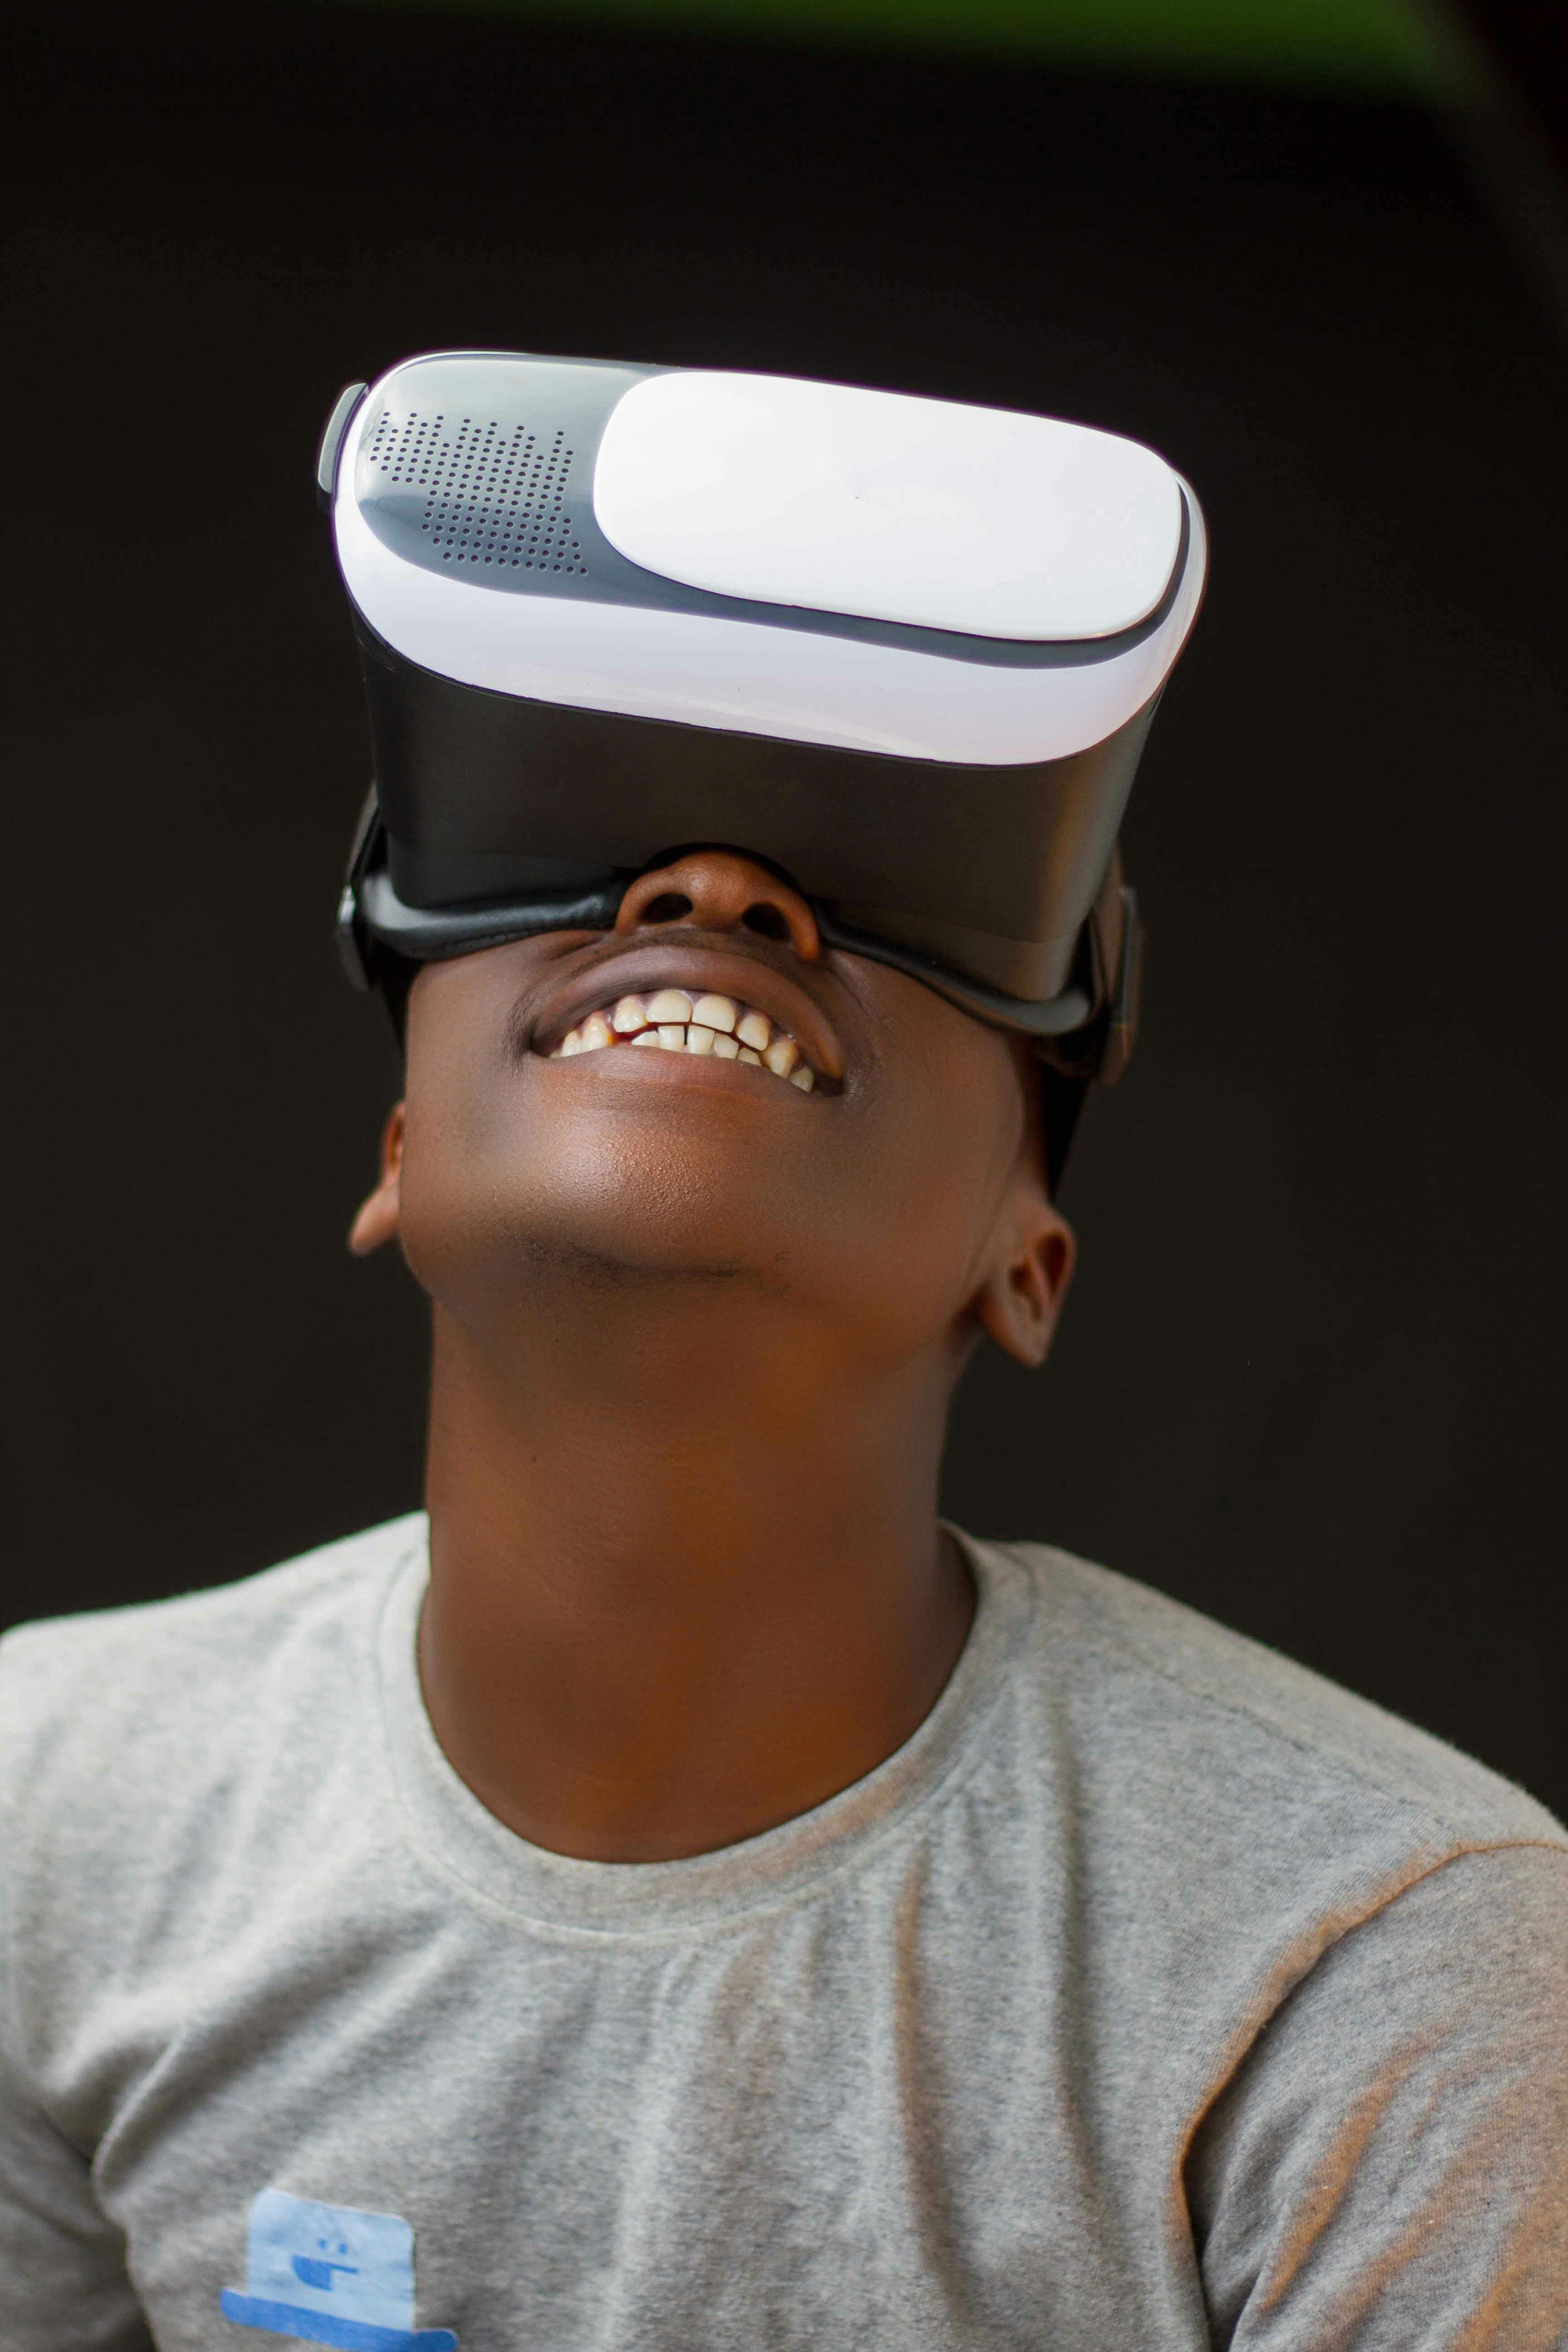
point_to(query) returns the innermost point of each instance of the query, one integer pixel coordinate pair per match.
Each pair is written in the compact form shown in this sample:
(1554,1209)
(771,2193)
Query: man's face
(897,1204)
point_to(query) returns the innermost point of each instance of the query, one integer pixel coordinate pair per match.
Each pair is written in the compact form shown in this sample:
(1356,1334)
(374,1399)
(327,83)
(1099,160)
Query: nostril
(767,920)
(669,906)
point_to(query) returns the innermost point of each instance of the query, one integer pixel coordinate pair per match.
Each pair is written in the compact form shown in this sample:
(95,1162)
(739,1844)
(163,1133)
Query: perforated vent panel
(489,494)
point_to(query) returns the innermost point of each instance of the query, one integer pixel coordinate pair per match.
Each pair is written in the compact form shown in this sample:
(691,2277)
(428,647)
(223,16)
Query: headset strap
(1086,1032)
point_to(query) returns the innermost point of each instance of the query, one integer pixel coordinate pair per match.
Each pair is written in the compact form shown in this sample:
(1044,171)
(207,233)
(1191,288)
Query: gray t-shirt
(1156,1994)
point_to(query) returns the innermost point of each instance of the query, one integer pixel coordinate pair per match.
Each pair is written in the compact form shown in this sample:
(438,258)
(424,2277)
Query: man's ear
(377,1218)
(1019,1300)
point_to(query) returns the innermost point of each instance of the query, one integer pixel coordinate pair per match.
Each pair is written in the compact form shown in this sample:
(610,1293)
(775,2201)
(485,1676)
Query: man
(722,1907)
(682,1894)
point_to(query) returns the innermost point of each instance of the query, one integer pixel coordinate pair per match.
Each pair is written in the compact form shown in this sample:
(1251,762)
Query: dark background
(1311,1378)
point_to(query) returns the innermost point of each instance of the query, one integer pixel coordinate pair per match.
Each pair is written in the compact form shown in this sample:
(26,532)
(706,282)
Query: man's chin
(534,1267)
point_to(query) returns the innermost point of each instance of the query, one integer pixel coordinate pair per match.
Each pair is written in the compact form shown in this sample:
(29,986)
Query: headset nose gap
(720,890)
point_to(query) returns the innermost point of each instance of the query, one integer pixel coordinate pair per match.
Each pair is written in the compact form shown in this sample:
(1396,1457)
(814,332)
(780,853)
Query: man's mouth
(693,1020)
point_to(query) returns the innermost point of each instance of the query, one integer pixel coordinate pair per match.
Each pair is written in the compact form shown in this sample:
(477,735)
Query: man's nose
(720,890)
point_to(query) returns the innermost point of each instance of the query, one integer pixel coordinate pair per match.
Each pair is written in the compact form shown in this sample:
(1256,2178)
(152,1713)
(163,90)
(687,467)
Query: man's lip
(728,970)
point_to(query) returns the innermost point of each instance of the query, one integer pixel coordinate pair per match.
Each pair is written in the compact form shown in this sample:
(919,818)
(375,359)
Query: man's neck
(686,1580)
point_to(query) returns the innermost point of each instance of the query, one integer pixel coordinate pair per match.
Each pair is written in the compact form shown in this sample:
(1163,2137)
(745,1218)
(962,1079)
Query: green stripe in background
(1374,46)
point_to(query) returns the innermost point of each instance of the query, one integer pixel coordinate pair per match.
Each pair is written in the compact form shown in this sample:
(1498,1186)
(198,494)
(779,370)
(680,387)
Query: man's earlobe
(377,1219)
(1021,1299)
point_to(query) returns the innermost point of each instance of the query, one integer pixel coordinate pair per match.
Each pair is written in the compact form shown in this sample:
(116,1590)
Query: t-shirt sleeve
(63,2283)
(1388,2169)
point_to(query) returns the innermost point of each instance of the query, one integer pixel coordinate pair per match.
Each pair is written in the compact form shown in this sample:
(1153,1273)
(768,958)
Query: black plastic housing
(486,797)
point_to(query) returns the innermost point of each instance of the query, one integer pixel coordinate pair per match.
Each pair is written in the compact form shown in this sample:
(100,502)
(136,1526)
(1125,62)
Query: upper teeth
(682,1024)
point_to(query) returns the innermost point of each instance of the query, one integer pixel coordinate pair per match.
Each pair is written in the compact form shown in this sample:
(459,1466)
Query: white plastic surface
(926,511)
(745,674)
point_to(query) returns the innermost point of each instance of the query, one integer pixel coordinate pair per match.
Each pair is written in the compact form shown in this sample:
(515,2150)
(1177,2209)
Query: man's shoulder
(1210,1717)
(146,1687)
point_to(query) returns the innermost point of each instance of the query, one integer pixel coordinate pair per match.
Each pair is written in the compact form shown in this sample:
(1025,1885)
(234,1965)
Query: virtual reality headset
(904,651)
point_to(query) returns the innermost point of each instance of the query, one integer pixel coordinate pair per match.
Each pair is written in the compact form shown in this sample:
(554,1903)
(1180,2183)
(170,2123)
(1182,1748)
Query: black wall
(1311,1378)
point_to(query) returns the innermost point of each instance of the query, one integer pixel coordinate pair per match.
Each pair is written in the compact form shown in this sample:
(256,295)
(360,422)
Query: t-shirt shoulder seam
(342,1560)
(1419,1873)
(1111,1634)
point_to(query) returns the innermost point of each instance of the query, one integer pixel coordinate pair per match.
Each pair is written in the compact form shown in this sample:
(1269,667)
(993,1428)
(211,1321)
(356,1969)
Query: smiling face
(707,1097)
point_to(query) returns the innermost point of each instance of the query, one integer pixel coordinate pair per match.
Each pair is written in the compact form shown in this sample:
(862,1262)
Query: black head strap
(1085,1031)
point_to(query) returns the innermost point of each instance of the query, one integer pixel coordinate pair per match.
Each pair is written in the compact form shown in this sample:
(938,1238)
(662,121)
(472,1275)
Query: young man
(707,1903)
(680,1894)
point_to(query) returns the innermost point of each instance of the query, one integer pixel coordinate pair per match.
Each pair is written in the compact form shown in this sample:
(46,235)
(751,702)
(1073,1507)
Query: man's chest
(510,2146)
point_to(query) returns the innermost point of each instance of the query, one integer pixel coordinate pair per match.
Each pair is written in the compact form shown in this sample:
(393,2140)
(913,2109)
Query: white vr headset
(906,651)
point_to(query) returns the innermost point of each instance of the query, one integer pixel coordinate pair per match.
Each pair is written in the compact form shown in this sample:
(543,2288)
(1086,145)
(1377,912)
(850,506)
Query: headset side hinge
(1126,991)
(343,407)
(355,945)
